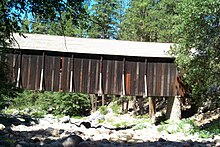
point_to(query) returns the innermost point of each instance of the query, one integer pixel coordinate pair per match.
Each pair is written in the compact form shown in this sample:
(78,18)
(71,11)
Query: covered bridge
(94,66)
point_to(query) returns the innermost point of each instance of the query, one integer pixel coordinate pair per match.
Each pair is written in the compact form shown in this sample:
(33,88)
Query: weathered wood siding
(81,73)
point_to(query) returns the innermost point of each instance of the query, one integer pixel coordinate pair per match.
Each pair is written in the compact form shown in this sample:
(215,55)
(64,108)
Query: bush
(72,104)
(103,110)
(7,88)
(186,126)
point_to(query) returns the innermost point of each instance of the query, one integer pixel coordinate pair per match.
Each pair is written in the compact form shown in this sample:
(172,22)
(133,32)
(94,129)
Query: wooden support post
(42,72)
(71,74)
(103,99)
(93,101)
(141,105)
(19,71)
(127,104)
(134,104)
(122,104)
(152,106)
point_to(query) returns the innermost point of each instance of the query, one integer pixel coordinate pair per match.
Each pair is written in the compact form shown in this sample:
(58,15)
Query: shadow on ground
(47,138)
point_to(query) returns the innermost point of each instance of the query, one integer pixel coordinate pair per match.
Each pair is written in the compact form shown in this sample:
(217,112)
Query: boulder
(65,119)
(86,124)
(84,144)
(71,141)
(2,127)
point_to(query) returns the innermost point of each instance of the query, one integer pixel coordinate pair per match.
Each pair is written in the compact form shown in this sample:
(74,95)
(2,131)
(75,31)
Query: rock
(94,115)
(208,145)
(161,140)
(21,119)
(86,124)
(36,140)
(23,144)
(50,131)
(186,144)
(56,144)
(47,141)
(4,143)
(83,144)
(65,119)
(217,141)
(217,144)
(2,127)
(71,141)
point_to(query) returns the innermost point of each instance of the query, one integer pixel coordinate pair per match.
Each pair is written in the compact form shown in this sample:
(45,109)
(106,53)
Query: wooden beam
(152,107)
(71,74)
(18,82)
(145,79)
(100,92)
(42,72)
(123,77)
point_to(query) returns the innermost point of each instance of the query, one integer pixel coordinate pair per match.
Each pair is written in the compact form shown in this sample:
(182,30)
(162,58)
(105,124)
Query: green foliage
(185,126)
(210,131)
(148,20)
(101,121)
(116,108)
(122,124)
(7,88)
(104,17)
(103,110)
(60,103)
(142,123)
(198,49)
(15,17)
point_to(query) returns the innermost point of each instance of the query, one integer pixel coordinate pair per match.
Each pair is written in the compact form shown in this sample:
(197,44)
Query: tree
(11,12)
(198,49)
(149,20)
(104,19)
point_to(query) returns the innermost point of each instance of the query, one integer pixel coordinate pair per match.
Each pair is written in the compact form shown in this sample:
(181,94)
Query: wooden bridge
(93,66)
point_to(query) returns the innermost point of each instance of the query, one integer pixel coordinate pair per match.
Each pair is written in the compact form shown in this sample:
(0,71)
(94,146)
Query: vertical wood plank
(168,79)
(19,71)
(115,77)
(89,76)
(123,77)
(154,78)
(146,79)
(158,82)
(42,72)
(81,77)
(100,92)
(136,92)
(71,86)
(162,80)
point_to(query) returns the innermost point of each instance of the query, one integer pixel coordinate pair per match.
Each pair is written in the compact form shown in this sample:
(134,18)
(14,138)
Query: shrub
(185,126)
(72,104)
(116,108)
(103,110)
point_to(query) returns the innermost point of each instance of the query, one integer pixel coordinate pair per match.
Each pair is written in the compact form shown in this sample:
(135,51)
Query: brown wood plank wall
(161,76)
(112,76)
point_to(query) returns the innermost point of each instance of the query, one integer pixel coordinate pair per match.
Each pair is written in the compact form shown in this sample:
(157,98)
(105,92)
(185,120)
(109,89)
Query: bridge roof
(91,46)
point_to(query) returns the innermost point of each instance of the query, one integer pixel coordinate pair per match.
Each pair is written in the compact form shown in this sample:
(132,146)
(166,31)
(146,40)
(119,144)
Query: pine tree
(104,19)
(149,20)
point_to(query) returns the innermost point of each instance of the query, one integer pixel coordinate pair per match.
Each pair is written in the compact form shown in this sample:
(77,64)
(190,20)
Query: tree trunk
(152,107)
